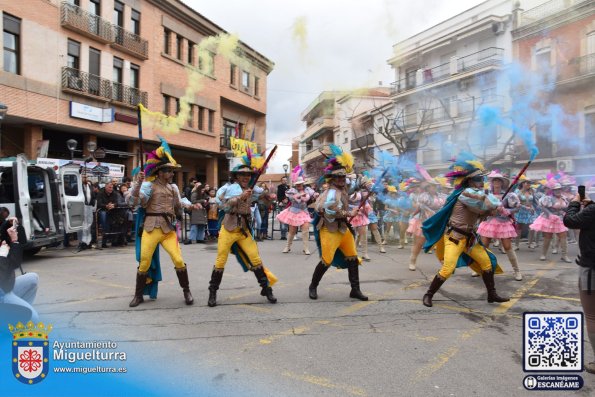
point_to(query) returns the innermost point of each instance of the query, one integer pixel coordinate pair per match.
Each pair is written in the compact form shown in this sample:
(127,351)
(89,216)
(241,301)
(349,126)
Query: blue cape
(433,229)
(154,272)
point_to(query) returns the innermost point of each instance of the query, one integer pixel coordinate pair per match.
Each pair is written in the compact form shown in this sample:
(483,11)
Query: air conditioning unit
(565,165)
(498,28)
(75,83)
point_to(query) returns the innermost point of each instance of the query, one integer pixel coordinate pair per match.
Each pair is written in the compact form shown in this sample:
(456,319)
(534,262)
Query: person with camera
(580,214)
(15,291)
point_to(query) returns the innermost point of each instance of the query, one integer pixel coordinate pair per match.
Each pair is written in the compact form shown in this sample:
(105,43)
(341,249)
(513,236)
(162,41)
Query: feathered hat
(297,176)
(339,163)
(158,159)
(251,163)
(464,166)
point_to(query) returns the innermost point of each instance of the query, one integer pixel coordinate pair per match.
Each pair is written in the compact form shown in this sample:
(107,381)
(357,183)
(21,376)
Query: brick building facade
(76,70)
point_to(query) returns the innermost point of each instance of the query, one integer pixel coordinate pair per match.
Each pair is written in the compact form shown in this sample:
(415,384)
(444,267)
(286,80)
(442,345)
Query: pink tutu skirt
(294,218)
(415,227)
(553,224)
(360,220)
(493,228)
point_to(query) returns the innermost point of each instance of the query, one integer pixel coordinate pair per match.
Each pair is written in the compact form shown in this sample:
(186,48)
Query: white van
(48,202)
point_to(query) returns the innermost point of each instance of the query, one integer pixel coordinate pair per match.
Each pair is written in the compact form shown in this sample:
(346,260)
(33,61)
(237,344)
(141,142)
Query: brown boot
(353,272)
(434,287)
(141,281)
(185,284)
(214,284)
(488,280)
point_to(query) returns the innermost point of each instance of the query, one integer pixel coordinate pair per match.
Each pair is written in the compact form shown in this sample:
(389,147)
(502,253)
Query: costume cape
(433,229)
(154,272)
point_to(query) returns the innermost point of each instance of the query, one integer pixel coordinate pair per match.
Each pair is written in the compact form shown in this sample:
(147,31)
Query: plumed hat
(158,159)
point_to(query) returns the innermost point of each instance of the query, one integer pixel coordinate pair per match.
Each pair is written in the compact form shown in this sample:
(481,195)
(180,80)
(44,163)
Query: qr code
(553,342)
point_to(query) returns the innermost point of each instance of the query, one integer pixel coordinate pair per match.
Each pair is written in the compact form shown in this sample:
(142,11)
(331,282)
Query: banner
(239,146)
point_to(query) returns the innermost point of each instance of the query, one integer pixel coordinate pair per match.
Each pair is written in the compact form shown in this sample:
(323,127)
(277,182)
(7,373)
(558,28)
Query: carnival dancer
(333,233)
(358,201)
(374,221)
(408,194)
(526,214)
(391,213)
(235,235)
(427,204)
(501,225)
(160,201)
(549,222)
(296,215)
(452,229)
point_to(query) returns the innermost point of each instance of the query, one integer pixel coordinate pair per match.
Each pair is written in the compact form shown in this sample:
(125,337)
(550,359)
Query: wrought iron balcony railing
(130,42)
(76,81)
(547,9)
(84,22)
(362,142)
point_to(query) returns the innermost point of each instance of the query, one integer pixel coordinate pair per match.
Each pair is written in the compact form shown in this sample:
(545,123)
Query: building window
(190,121)
(232,74)
(166,41)
(201,120)
(94,72)
(134,75)
(74,54)
(191,53)
(256,86)
(177,106)
(166,104)
(117,79)
(74,2)
(118,14)
(12,33)
(245,80)
(488,94)
(211,120)
(179,40)
(206,62)
(590,125)
(542,59)
(135,18)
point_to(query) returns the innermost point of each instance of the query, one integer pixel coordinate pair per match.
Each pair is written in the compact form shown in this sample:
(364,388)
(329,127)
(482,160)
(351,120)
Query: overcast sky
(346,46)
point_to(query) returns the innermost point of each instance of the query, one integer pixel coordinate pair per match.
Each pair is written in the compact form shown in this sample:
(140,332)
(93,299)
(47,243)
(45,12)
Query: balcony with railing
(577,70)
(86,23)
(75,18)
(547,9)
(362,142)
(312,154)
(318,125)
(82,83)
(130,43)
(487,58)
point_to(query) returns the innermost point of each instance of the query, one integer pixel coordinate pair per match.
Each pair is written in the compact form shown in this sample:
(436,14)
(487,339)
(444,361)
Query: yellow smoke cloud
(300,35)
(225,45)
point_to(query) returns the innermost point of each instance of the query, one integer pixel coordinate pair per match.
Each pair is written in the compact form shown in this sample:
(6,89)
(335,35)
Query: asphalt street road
(335,346)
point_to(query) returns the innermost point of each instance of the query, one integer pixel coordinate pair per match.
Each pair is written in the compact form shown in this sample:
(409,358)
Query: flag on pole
(244,132)
(253,133)
(237,129)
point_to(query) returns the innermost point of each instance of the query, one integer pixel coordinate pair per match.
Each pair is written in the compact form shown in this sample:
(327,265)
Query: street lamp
(285,168)
(3,111)
(71,144)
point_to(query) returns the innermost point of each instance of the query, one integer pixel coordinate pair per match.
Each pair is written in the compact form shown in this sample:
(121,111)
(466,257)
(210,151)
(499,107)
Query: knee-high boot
(305,240)
(434,287)
(356,293)
(545,248)
(517,242)
(141,281)
(488,280)
(214,284)
(319,271)
(290,237)
(378,240)
(185,284)
(264,284)
(564,249)
(515,264)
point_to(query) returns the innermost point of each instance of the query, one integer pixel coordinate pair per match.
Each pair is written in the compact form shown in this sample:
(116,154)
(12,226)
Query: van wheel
(32,251)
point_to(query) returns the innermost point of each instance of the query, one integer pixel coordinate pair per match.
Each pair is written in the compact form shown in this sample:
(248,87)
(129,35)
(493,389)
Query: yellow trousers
(330,242)
(448,252)
(245,241)
(169,242)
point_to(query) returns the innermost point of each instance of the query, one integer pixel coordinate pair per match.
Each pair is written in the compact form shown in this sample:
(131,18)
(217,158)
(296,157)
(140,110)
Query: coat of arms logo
(30,351)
